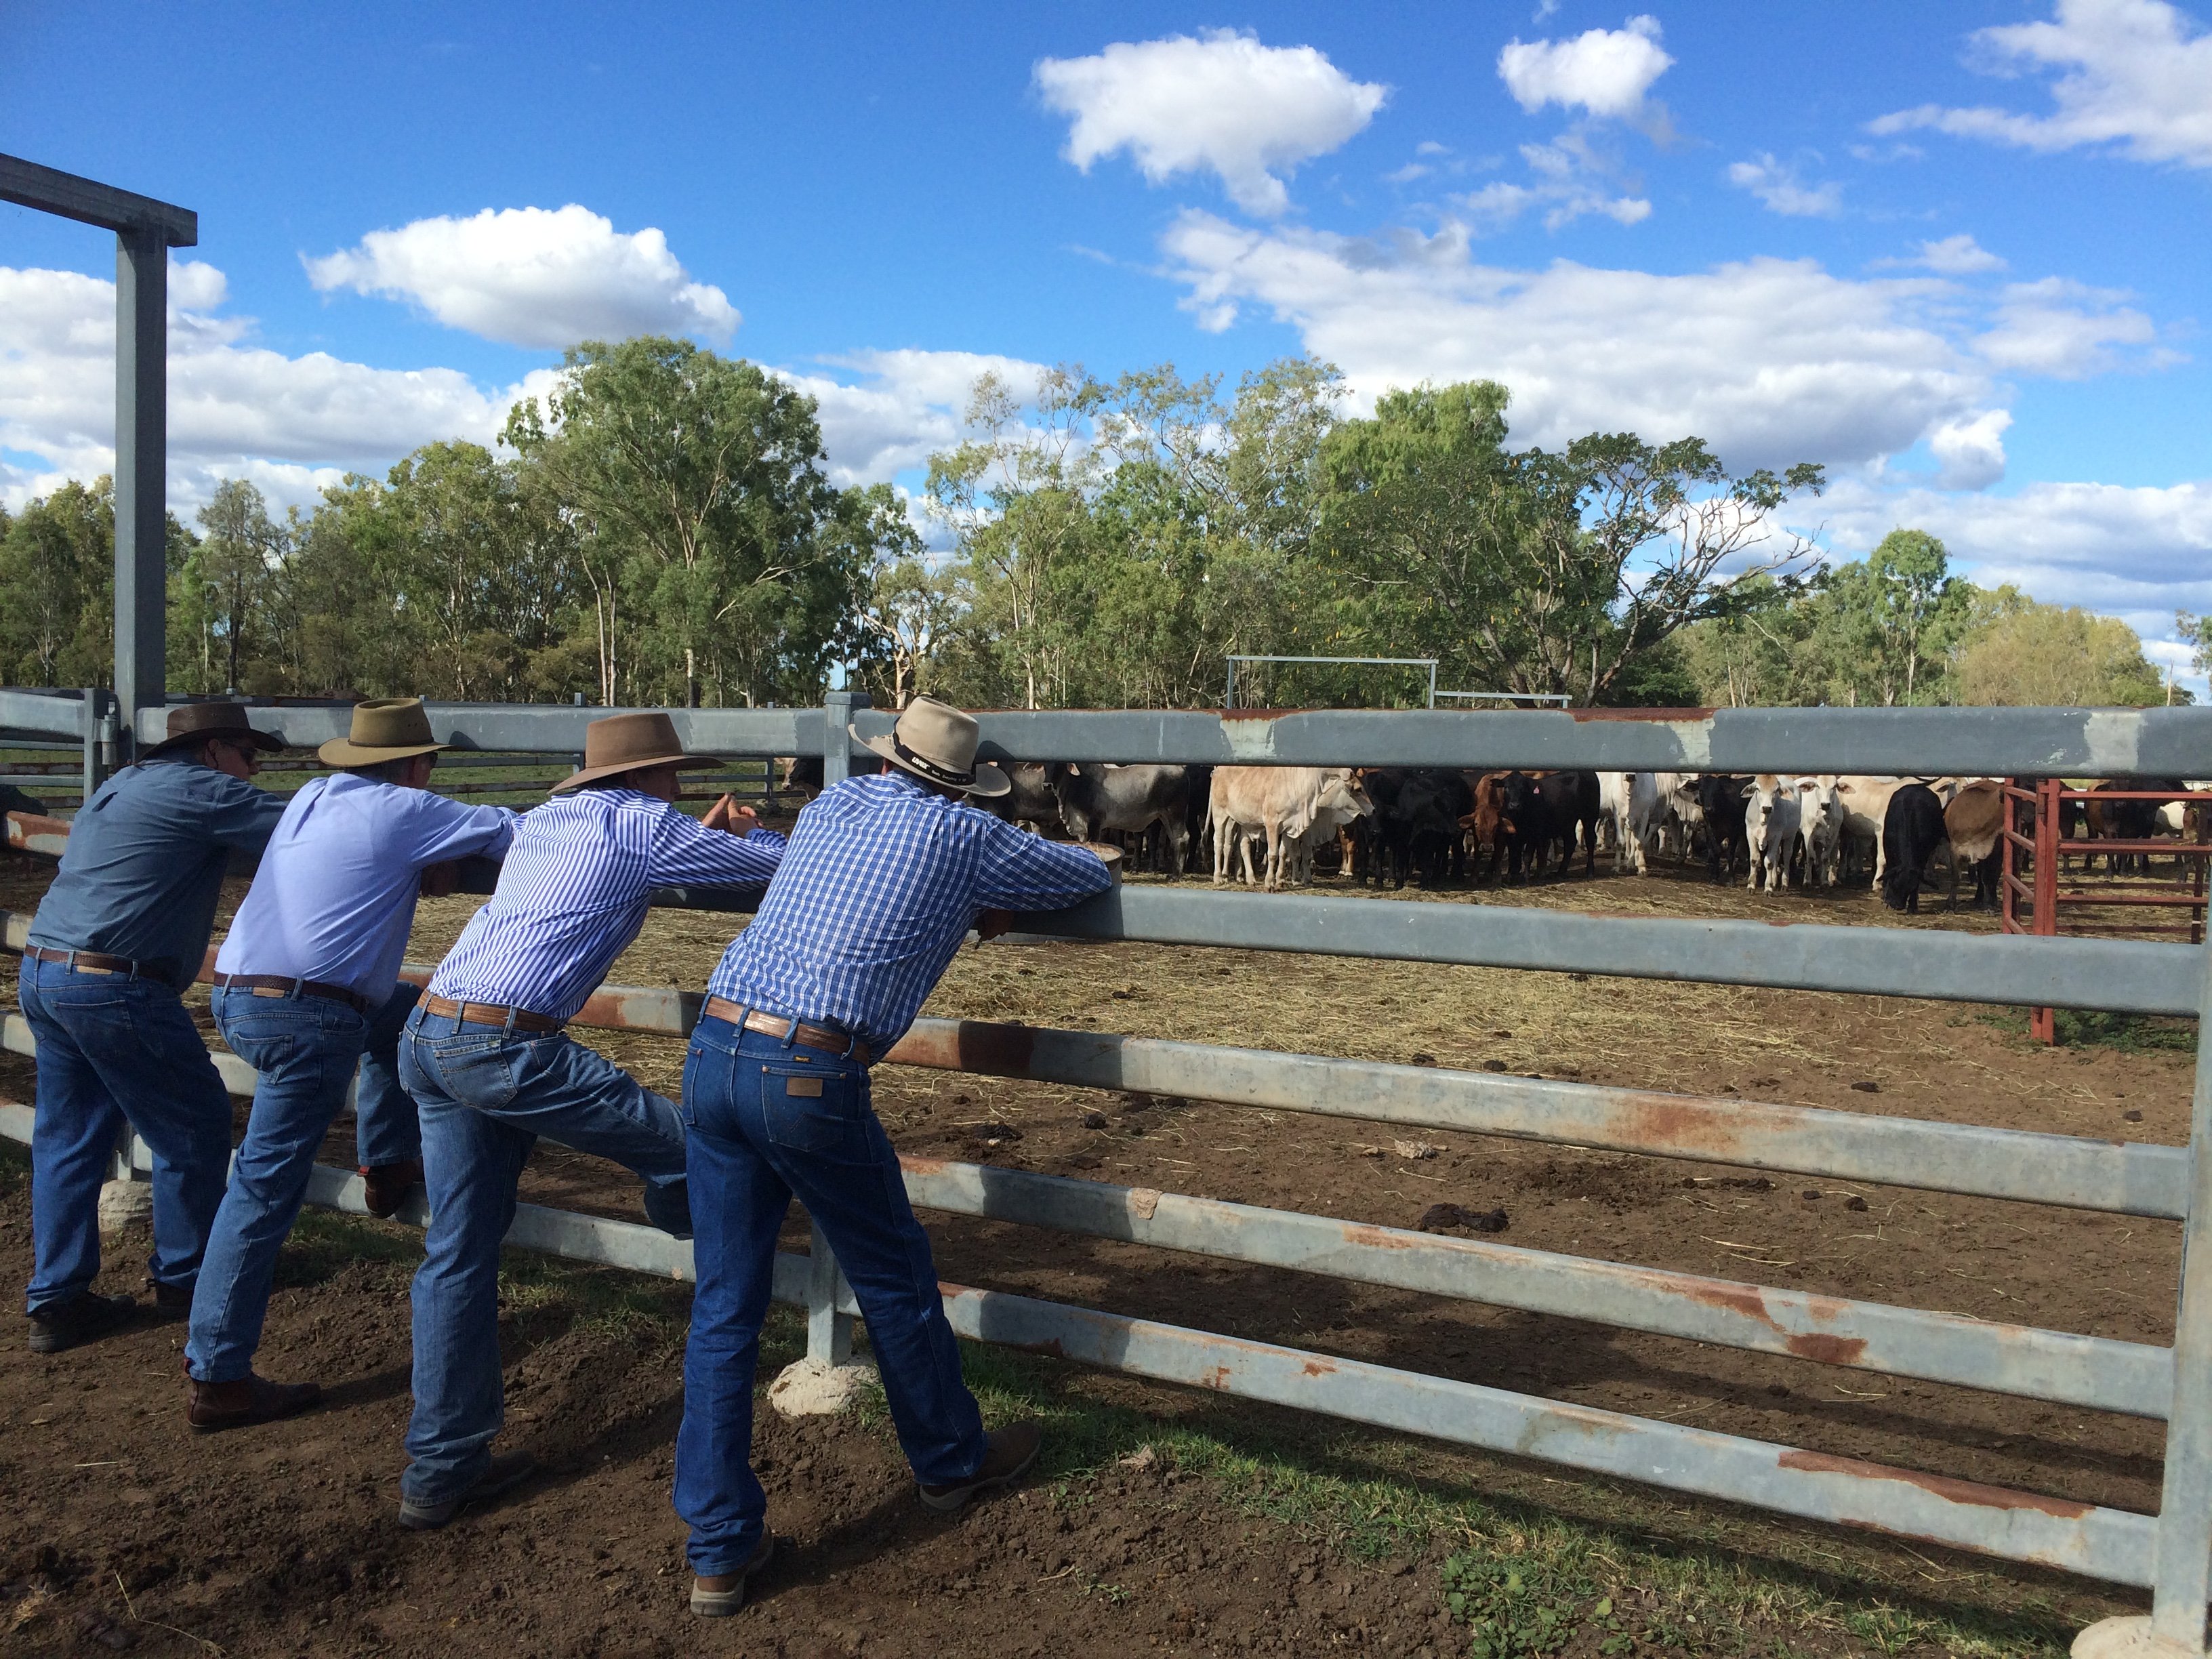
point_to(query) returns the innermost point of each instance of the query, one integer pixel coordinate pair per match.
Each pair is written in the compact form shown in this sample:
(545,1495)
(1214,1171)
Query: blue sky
(1959,253)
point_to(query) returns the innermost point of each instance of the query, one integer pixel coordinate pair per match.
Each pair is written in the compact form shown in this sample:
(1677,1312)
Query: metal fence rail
(2173,1553)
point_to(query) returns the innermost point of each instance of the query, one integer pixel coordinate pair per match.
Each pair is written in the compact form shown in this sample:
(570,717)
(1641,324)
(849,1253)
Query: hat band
(929,768)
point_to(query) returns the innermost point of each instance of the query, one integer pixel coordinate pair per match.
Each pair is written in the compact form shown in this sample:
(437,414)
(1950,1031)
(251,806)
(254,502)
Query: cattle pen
(2170,1553)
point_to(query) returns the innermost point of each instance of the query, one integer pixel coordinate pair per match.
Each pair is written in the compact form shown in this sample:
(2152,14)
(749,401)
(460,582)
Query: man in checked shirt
(491,1068)
(883,877)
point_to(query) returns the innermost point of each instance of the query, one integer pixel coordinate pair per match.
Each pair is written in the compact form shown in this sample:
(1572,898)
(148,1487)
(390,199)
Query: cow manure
(1501,1034)
(959,1100)
(1424,1059)
(1493,1065)
(1811,1194)
(1854,1202)
(1122,996)
(1867,1087)
(1779,1390)
(1083,1161)
(2132,1116)
(1094,1118)
(1443,1218)
(991,1134)
(1739,1183)
(1579,979)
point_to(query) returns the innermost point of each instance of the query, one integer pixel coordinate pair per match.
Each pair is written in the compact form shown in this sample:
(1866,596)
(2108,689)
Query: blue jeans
(769,1120)
(113,1050)
(306,1049)
(486,1094)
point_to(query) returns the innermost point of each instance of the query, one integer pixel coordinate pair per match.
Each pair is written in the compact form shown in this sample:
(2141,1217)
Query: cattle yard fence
(2035,897)
(2169,1554)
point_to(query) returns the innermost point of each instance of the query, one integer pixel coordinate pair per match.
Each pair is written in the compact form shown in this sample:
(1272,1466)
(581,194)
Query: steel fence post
(2049,832)
(2185,1510)
(829,1332)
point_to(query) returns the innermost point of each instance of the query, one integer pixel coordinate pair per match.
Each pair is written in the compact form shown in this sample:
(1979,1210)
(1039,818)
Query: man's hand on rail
(989,924)
(726,814)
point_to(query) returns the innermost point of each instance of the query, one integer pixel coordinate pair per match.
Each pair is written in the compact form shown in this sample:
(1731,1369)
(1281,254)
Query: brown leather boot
(717,1596)
(244,1400)
(1008,1454)
(384,1187)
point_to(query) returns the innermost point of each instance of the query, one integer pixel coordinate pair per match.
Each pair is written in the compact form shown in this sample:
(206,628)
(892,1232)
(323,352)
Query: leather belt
(91,962)
(491,1014)
(280,985)
(814,1036)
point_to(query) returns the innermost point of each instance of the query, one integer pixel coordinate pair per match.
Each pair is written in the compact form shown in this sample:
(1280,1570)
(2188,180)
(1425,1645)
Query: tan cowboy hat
(196,722)
(627,743)
(936,741)
(384,729)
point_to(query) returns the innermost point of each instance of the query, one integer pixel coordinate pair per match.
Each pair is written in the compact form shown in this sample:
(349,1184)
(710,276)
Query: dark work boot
(246,1400)
(1008,1454)
(60,1325)
(506,1469)
(719,1595)
(384,1187)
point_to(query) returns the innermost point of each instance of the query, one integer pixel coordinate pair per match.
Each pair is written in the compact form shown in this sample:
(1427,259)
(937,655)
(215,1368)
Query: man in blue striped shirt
(491,1068)
(883,880)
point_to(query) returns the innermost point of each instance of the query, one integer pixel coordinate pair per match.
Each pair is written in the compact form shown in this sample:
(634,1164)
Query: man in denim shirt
(306,990)
(123,929)
(883,880)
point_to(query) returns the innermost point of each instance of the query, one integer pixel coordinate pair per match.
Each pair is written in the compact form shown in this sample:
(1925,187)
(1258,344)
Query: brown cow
(1973,822)
(1486,827)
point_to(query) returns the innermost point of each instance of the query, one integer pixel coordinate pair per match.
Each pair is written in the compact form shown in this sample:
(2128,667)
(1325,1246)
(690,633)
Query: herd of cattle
(1276,825)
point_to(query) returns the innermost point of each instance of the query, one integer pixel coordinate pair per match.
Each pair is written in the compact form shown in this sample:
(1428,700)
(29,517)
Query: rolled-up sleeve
(1022,872)
(686,852)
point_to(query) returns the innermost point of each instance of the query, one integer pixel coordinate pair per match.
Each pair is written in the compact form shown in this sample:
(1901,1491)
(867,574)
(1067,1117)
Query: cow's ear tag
(802,1086)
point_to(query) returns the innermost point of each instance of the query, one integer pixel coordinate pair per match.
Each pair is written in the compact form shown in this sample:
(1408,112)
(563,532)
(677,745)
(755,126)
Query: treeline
(662,532)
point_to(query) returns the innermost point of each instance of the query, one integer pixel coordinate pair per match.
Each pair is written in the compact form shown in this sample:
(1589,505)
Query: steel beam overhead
(49,189)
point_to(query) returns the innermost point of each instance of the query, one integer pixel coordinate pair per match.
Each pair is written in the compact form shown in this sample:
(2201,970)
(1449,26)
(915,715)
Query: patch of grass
(2127,1034)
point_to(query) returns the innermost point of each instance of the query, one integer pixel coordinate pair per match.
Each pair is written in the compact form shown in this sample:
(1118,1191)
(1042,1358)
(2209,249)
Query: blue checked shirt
(881,883)
(572,895)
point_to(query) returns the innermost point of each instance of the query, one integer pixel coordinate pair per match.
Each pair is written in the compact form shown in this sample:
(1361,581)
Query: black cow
(1371,840)
(1722,803)
(1424,825)
(1031,801)
(1526,827)
(2127,820)
(1571,799)
(1911,831)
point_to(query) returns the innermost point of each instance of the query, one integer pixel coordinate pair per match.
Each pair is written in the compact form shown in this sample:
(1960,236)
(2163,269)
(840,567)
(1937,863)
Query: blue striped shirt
(572,895)
(881,883)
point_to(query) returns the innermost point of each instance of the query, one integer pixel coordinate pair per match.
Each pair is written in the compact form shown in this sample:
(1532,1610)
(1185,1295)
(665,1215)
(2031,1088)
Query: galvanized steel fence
(2170,1553)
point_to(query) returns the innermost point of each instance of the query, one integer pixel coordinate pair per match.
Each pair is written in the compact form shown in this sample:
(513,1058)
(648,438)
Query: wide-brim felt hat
(384,729)
(196,722)
(935,741)
(628,743)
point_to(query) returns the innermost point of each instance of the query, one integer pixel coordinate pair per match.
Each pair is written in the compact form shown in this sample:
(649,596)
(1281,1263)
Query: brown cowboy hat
(384,729)
(628,743)
(936,741)
(196,722)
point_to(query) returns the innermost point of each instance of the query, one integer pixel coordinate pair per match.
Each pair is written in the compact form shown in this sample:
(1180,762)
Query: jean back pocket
(816,1111)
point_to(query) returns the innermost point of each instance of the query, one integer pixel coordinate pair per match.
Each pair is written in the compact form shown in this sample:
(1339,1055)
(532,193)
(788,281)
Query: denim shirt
(145,863)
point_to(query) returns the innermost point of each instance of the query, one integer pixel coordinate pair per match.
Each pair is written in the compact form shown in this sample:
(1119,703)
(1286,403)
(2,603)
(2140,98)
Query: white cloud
(1606,72)
(1954,256)
(2133,74)
(2066,330)
(1970,451)
(1568,180)
(235,408)
(532,278)
(907,404)
(1221,104)
(1779,190)
(1770,361)
(2113,548)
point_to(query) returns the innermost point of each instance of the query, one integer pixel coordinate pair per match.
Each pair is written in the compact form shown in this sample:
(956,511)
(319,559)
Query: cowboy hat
(935,741)
(384,729)
(196,722)
(627,743)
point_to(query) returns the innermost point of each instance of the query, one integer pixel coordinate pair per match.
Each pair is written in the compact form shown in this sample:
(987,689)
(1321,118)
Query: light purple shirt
(335,895)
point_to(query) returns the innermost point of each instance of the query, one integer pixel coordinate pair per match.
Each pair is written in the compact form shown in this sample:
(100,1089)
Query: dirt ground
(871,1575)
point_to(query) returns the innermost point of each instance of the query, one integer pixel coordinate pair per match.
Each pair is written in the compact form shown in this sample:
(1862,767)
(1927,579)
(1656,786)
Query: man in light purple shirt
(307,989)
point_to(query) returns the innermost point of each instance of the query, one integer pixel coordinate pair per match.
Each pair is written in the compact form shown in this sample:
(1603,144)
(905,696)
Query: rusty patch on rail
(929,1166)
(1827,1348)
(1950,1491)
(970,1045)
(1318,1367)
(1686,1125)
(1377,1238)
(1734,1298)
(1217,1378)
(1657,716)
